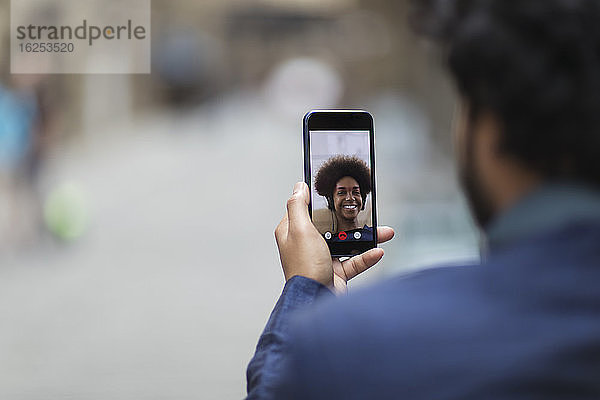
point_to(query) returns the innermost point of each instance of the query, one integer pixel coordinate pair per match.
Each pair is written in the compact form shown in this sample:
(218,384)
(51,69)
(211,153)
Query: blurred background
(137,256)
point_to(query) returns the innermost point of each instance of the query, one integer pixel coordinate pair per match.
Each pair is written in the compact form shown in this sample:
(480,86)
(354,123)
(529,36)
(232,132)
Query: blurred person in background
(26,117)
(525,322)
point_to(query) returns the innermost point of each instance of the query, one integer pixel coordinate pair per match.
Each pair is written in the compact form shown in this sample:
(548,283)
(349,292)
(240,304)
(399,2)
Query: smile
(350,207)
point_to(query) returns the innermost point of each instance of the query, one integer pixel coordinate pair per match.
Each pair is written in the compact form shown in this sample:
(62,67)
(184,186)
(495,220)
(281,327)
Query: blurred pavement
(166,294)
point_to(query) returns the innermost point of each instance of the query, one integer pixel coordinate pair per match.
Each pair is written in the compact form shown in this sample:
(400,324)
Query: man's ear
(503,177)
(487,141)
(478,133)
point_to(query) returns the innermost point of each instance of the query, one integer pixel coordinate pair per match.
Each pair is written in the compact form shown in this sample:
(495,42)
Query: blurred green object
(66,212)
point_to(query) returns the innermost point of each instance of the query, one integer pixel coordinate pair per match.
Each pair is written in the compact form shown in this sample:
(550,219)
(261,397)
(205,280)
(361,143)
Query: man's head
(528,73)
(345,182)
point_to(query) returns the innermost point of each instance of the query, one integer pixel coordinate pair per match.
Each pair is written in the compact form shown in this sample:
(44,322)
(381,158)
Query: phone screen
(342,188)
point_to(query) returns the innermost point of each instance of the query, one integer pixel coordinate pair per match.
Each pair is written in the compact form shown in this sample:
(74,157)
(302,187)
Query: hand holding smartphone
(339,169)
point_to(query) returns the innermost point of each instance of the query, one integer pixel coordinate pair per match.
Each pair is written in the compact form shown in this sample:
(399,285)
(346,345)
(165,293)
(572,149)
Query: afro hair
(341,166)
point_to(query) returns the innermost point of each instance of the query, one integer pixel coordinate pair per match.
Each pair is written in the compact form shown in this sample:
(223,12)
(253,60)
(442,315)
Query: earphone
(330,203)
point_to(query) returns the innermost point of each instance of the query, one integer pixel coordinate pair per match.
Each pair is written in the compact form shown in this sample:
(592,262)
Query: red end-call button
(343,235)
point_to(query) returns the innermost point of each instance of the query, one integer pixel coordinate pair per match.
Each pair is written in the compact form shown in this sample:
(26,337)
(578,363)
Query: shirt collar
(548,207)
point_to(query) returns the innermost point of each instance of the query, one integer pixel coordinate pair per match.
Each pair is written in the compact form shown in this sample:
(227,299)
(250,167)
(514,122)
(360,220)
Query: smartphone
(339,169)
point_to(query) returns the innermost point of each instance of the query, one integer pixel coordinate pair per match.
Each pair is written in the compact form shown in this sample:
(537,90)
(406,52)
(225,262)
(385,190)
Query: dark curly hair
(338,167)
(536,65)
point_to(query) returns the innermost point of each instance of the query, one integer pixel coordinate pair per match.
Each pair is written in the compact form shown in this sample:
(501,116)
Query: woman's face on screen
(346,198)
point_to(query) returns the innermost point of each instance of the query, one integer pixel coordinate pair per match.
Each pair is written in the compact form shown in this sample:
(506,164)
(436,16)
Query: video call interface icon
(343,235)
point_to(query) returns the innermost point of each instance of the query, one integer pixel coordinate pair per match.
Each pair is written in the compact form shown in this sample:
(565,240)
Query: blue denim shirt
(264,368)
(542,210)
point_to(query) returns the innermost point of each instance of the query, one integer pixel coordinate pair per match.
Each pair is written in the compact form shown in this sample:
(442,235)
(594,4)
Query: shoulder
(393,306)
(404,294)
(382,328)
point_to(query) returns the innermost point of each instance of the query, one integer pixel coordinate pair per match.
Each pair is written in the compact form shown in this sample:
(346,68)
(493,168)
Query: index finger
(384,234)
(362,262)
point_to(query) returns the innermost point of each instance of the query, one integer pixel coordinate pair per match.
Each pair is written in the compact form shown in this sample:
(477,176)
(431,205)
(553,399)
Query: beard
(477,197)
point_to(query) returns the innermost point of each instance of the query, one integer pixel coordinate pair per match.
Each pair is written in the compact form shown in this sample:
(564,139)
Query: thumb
(297,206)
